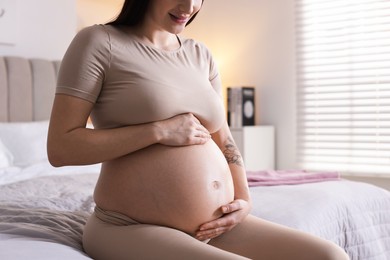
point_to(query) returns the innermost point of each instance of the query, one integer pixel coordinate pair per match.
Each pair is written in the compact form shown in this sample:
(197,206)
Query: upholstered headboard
(27,88)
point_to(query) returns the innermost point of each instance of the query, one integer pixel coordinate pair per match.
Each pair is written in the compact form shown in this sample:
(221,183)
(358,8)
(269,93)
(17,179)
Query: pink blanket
(284,177)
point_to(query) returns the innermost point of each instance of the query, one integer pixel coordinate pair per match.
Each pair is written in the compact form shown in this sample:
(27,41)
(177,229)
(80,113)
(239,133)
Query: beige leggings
(111,235)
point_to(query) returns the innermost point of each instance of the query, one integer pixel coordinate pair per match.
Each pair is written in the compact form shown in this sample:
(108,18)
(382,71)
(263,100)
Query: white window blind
(343,60)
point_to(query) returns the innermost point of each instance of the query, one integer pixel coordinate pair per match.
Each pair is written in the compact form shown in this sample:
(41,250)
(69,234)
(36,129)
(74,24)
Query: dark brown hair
(133,13)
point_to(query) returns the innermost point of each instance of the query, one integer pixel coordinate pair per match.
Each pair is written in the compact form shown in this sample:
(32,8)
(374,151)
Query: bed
(43,209)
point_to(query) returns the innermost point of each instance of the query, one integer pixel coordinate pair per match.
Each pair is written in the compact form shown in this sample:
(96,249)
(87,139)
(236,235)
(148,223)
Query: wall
(44,28)
(91,12)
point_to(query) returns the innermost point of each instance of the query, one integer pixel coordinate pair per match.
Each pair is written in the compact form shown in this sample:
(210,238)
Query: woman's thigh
(102,240)
(260,239)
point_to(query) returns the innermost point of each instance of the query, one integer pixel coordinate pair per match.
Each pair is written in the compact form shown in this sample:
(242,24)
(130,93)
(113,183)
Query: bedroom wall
(44,28)
(91,12)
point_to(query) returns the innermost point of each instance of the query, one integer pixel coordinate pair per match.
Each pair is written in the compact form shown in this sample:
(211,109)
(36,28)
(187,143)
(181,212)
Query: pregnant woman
(172,183)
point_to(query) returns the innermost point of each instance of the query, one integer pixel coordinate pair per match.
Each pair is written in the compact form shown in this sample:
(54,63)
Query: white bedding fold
(49,208)
(44,224)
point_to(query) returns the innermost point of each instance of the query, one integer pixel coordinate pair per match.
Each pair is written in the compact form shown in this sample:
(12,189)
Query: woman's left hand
(234,213)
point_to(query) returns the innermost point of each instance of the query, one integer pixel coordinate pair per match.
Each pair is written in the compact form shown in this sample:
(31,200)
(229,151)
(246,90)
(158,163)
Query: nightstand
(257,146)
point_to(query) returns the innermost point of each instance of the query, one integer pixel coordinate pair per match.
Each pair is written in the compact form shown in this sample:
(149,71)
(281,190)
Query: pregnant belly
(179,187)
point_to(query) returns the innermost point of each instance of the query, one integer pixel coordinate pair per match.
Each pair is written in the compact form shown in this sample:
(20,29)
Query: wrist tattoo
(232,154)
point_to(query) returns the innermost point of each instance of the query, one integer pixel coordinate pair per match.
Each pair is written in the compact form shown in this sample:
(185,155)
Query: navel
(216,185)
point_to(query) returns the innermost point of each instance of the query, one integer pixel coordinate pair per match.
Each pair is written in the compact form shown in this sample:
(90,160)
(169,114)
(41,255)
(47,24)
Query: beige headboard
(27,88)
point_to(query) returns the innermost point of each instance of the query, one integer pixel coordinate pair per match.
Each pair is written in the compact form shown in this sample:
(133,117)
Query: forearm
(225,141)
(237,169)
(71,143)
(82,146)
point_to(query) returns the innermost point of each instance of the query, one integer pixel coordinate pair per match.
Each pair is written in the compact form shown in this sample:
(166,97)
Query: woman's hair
(133,13)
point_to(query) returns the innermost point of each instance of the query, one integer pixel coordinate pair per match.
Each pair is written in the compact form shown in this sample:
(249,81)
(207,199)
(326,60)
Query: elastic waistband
(118,219)
(113,217)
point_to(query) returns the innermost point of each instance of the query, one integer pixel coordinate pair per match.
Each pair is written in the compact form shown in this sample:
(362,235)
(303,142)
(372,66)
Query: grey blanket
(51,209)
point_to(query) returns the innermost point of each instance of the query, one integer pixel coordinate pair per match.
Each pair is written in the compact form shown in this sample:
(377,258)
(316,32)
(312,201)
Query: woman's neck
(158,38)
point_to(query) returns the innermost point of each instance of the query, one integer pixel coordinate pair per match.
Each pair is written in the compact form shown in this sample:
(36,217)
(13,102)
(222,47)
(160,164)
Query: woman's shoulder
(96,37)
(190,42)
(114,35)
(196,46)
(93,32)
(91,41)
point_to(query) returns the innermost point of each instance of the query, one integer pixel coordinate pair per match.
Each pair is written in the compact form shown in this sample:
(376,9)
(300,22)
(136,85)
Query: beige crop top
(131,83)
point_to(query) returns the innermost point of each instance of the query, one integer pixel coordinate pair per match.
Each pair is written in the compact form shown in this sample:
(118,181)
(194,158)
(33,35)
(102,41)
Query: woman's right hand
(181,130)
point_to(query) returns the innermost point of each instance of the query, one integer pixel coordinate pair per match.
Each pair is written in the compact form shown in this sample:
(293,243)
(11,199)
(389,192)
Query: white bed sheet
(13,173)
(354,215)
(22,248)
(46,213)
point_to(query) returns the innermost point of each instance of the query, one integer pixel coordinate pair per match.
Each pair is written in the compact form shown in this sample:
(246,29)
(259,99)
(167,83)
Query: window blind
(343,77)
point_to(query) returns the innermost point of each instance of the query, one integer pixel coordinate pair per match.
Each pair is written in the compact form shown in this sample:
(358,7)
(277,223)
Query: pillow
(26,141)
(6,158)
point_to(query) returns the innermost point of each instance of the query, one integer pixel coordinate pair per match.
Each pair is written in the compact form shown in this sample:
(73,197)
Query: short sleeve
(83,68)
(214,75)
